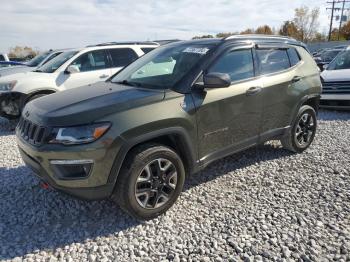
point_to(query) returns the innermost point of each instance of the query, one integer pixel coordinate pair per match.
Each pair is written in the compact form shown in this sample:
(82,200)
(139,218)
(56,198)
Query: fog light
(71,169)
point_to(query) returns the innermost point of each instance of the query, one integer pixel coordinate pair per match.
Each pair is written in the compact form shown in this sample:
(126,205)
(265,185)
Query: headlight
(8,86)
(78,134)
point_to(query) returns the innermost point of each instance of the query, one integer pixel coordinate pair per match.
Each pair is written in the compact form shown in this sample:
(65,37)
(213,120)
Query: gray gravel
(262,204)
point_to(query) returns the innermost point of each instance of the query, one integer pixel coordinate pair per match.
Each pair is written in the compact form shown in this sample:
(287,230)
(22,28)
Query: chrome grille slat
(336,87)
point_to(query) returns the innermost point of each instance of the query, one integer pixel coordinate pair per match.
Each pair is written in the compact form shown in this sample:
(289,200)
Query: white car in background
(31,65)
(72,68)
(4,57)
(336,82)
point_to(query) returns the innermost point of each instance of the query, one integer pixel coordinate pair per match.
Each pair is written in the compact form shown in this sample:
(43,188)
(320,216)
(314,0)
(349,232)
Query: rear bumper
(335,101)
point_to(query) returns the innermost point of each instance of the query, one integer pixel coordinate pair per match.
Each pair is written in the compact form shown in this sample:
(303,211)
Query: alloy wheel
(156,183)
(305,130)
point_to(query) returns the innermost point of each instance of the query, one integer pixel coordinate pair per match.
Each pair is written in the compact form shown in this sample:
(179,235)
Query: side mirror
(324,67)
(216,80)
(72,69)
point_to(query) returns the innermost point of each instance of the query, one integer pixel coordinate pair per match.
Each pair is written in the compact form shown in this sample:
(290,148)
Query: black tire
(298,143)
(134,168)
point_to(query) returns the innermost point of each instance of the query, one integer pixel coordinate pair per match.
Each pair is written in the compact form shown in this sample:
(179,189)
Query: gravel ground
(262,204)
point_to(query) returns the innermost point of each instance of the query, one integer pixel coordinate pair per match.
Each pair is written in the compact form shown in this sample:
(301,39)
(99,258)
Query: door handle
(296,79)
(253,90)
(104,76)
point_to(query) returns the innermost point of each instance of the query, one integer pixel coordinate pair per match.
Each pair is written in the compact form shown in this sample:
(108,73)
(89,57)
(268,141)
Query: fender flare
(185,142)
(301,102)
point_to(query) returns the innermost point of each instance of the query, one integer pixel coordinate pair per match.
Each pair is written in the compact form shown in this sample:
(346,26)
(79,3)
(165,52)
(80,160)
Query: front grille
(31,132)
(338,87)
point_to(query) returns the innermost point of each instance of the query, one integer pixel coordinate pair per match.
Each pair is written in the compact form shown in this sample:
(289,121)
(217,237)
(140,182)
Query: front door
(93,67)
(228,119)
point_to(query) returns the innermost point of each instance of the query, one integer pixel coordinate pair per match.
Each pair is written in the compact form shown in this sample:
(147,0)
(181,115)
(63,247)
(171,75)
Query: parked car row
(335,67)
(60,70)
(170,112)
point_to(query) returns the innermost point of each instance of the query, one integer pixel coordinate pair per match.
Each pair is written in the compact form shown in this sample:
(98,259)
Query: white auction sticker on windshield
(196,50)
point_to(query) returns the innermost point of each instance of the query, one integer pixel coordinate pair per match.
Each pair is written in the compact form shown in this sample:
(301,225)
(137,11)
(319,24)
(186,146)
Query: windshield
(342,61)
(37,60)
(56,62)
(329,55)
(163,67)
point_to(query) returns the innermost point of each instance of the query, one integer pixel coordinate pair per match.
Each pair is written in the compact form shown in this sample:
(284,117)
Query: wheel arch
(46,91)
(176,138)
(311,100)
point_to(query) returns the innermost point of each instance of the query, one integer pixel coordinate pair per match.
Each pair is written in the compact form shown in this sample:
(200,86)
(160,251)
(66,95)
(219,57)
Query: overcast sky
(44,24)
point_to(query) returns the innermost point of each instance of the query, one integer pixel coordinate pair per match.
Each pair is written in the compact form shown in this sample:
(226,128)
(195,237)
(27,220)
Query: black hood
(87,103)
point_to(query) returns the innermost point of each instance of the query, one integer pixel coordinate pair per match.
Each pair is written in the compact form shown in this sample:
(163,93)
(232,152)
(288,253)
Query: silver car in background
(336,82)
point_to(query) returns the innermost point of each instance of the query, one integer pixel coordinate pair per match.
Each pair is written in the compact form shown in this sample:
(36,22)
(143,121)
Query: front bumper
(335,101)
(97,185)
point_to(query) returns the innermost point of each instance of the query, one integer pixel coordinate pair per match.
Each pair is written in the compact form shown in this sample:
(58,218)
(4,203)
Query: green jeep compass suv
(135,137)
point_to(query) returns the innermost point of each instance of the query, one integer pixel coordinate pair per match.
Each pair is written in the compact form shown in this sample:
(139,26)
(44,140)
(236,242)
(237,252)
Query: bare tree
(247,31)
(265,30)
(306,21)
(22,52)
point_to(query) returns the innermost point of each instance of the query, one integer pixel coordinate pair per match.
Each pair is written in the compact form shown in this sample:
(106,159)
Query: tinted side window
(147,49)
(2,58)
(272,60)
(90,61)
(293,56)
(238,64)
(122,56)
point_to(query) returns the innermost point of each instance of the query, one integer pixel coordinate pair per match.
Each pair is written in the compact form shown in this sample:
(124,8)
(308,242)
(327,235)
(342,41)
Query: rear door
(229,118)
(121,57)
(93,66)
(281,75)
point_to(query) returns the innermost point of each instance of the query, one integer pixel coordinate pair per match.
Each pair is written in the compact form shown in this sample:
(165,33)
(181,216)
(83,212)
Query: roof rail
(126,43)
(259,36)
(165,41)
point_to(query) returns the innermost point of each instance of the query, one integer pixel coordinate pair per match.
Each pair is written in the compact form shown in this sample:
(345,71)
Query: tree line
(304,27)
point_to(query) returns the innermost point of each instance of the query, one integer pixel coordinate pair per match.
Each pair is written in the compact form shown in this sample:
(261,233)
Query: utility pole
(336,9)
(341,19)
(331,24)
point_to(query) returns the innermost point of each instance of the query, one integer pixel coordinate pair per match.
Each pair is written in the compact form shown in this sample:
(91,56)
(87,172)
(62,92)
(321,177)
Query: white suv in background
(72,68)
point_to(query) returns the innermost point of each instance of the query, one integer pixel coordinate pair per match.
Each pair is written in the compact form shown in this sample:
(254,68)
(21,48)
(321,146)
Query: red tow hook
(44,185)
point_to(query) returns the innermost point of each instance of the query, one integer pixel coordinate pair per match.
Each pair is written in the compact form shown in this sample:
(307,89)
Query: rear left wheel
(302,132)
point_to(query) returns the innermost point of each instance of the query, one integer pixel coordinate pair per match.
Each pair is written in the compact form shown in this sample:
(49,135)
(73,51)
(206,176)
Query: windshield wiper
(127,83)
(38,70)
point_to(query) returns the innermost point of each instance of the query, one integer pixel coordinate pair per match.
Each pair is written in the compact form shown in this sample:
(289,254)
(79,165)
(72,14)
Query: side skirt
(232,149)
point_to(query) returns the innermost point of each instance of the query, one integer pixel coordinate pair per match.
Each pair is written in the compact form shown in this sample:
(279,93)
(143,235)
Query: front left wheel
(150,181)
